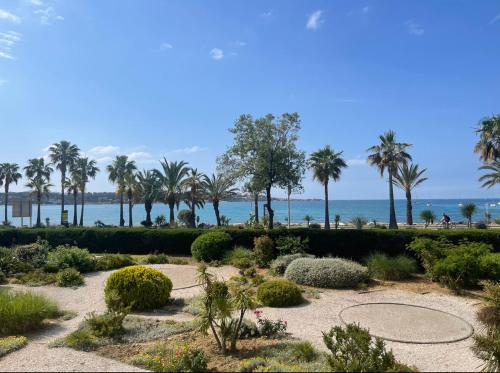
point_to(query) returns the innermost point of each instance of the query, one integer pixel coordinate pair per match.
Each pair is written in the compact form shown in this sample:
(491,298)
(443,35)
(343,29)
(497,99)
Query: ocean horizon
(239,211)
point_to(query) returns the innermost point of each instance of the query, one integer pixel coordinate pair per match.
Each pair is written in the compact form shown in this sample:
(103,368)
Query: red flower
(286,322)
(258,312)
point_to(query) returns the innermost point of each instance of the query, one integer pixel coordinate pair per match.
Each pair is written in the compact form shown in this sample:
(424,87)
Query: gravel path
(37,356)
(309,320)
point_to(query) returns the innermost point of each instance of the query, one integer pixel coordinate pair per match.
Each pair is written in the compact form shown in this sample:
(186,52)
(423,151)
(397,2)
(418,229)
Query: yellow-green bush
(279,293)
(139,287)
(10,344)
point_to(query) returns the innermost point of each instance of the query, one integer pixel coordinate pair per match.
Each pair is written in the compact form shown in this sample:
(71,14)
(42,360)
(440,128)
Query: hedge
(347,243)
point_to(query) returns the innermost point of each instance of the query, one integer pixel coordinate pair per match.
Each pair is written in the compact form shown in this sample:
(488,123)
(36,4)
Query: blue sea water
(239,212)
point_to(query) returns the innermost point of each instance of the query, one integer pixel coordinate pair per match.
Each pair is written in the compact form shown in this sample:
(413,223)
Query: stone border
(471,328)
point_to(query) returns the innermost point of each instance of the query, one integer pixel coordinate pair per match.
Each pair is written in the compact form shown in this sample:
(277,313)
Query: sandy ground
(37,356)
(305,322)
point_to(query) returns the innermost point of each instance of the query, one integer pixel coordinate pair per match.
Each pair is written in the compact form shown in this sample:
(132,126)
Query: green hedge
(347,243)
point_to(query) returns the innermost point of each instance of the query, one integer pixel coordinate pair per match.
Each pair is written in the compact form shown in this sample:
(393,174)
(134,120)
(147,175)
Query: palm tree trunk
(269,208)
(409,208)
(289,190)
(81,210)
(130,224)
(39,201)
(217,213)
(172,217)
(392,211)
(148,206)
(63,178)
(75,213)
(6,201)
(122,221)
(327,209)
(193,213)
(256,207)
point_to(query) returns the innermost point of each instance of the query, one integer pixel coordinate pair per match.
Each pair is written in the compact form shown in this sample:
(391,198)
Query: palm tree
(130,183)
(326,164)
(9,173)
(389,155)
(63,155)
(428,217)
(337,221)
(194,196)
(87,170)
(118,170)
(148,190)
(72,185)
(218,188)
(38,174)
(468,210)
(308,219)
(493,178)
(173,177)
(488,145)
(407,178)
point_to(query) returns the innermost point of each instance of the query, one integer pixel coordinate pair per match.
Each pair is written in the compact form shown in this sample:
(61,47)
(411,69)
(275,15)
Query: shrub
(70,257)
(304,351)
(138,287)
(279,293)
(481,225)
(315,226)
(180,358)
(24,312)
(114,261)
(10,344)
(211,246)
(263,250)
(286,245)
(359,222)
(326,273)
(489,314)
(156,259)
(81,339)
(354,350)
(281,263)
(386,268)
(8,262)
(490,266)
(36,278)
(270,328)
(109,324)
(34,254)
(3,278)
(69,277)
(235,256)
(178,261)
(487,348)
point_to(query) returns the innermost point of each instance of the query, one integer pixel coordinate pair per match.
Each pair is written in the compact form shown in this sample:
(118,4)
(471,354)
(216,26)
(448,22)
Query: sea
(239,212)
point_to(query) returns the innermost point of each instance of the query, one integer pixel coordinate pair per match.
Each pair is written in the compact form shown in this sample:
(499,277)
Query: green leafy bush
(113,261)
(287,245)
(3,278)
(180,358)
(235,256)
(109,324)
(263,250)
(63,257)
(34,254)
(279,293)
(211,246)
(156,259)
(396,268)
(354,350)
(8,262)
(69,277)
(138,287)
(281,263)
(36,278)
(490,266)
(81,339)
(270,328)
(10,344)
(327,273)
(489,314)
(24,312)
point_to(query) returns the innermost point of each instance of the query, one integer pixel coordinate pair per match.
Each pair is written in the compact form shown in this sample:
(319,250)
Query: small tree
(359,222)
(160,220)
(308,219)
(337,221)
(468,210)
(428,217)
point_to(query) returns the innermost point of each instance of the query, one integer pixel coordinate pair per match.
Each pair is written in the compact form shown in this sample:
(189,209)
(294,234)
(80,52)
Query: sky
(168,78)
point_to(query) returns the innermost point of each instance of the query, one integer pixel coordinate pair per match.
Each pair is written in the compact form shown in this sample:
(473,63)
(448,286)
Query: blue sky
(168,78)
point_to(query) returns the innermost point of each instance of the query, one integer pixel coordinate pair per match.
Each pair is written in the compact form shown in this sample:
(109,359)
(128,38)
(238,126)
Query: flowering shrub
(270,328)
(326,273)
(182,358)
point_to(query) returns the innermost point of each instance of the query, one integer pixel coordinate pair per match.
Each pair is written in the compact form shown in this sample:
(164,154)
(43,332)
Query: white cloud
(103,150)
(315,20)
(6,55)
(10,37)
(36,2)
(414,28)
(495,19)
(165,46)
(141,157)
(356,162)
(7,16)
(189,150)
(217,54)
(267,15)
(48,15)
